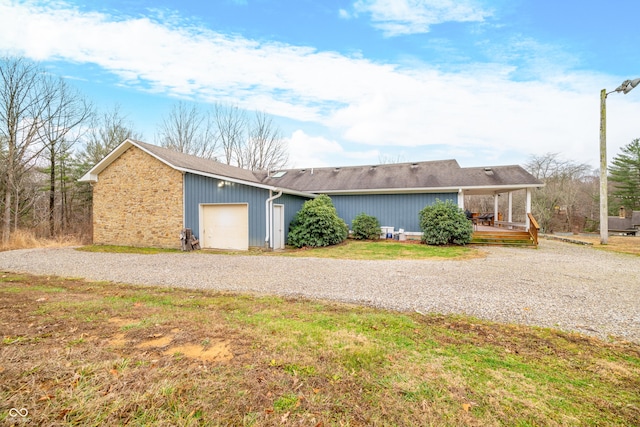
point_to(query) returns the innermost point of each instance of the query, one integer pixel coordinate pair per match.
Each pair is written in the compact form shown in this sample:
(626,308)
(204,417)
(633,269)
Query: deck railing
(533,228)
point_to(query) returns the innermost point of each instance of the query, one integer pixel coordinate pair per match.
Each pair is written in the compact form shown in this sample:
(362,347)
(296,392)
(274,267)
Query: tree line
(570,199)
(51,135)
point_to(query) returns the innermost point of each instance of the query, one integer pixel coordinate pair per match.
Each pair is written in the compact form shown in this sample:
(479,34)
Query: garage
(224,226)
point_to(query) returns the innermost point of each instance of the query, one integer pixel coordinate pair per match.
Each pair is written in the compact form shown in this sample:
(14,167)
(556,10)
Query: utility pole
(625,88)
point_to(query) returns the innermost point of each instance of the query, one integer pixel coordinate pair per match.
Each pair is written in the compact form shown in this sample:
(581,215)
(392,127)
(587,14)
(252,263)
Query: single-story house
(145,195)
(622,224)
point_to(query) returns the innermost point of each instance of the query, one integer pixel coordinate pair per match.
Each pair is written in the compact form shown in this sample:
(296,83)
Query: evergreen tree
(625,173)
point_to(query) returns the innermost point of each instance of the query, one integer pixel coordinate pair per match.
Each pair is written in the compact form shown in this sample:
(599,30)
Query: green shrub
(445,223)
(365,227)
(317,224)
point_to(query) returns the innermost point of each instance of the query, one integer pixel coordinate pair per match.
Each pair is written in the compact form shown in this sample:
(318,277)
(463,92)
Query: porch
(506,233)
(499,222)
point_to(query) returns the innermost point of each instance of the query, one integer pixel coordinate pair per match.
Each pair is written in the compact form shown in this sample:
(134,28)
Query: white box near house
(386,232)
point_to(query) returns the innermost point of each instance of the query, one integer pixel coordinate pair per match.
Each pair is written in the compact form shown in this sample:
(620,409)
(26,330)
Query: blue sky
(349,82)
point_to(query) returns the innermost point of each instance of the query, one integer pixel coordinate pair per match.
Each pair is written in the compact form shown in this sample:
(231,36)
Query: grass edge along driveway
(88,353)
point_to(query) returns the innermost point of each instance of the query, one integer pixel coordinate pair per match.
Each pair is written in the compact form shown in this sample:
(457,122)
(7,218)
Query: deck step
(502,238)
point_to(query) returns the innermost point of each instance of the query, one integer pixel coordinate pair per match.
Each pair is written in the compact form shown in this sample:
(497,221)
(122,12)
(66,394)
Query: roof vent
(488,171)
(414,165)
(336,170)
(303,170)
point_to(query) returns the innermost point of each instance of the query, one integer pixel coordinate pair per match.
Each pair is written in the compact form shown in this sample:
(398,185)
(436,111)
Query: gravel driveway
(561,285)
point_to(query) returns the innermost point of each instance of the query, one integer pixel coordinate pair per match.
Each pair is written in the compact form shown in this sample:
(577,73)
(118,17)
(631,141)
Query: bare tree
(106,132)
(386,159)
(265,149)
(25,95)
(66,112)
(189,130)
(567,191)
(225,134)
(231,128)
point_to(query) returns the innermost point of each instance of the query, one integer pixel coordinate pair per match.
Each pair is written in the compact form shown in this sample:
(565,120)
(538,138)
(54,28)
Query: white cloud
(317,151)
(400,17)
(295,81)
(344,14)
(480,110)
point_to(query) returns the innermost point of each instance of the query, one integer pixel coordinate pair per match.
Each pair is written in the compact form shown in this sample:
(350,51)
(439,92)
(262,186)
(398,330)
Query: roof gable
(188,162)
(174,159)
(432,176)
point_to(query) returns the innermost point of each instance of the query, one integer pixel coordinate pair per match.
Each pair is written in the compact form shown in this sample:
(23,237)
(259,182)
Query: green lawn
(88,353)
(350,249)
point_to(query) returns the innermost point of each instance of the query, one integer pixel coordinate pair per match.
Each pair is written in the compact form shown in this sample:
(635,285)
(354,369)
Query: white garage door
(225,227)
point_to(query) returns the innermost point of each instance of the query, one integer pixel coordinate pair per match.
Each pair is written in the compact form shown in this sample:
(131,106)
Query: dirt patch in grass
(206,351)
(83,353)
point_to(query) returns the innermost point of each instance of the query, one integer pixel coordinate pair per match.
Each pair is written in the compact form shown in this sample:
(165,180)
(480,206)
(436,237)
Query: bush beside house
(444,223)
(317,224)
(365,227)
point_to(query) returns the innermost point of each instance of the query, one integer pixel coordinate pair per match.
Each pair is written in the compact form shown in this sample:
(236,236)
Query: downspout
(269,223)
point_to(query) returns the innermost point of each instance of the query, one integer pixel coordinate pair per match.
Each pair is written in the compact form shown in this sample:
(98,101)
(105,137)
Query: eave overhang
(484,190)
(92,174)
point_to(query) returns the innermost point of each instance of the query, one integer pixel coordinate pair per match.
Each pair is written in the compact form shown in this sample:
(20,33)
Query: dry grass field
(622,244)
(78,353)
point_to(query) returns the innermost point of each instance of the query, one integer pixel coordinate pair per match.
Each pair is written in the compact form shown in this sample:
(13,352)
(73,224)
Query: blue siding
(392,210)
(396,210)
(200,189)
(292,204)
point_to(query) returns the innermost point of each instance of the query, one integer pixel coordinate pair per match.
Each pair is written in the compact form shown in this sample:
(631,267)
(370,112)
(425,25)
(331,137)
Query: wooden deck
(502,236)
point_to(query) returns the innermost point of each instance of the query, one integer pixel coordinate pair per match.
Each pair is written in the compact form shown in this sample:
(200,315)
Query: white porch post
(495,206)
(528,209)
(461,199)
(510,211)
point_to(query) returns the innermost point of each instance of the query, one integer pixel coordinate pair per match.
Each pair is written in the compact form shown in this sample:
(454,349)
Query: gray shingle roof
(446,175)
(401,176)
(617,223)
(194,163)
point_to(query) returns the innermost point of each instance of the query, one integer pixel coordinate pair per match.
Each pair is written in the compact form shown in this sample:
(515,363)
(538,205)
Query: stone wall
(137,201)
